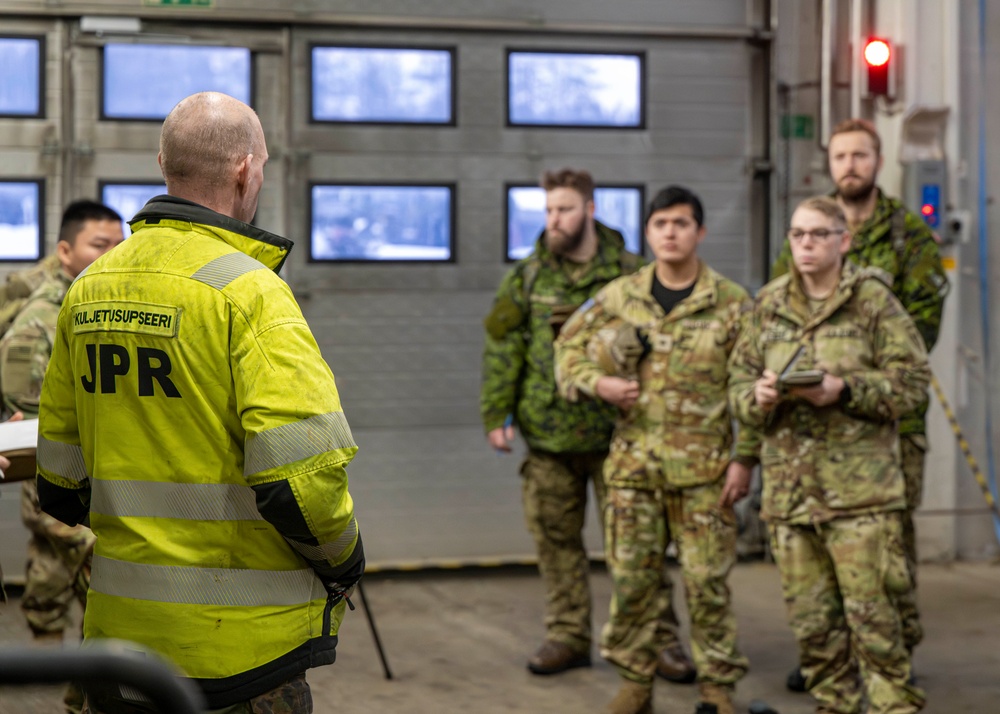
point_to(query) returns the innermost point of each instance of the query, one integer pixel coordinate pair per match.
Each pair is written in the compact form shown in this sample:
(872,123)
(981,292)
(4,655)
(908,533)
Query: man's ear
(243,172)
(845,242)
(63,250)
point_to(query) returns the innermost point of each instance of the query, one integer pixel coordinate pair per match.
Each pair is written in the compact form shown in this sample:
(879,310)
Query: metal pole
(371,625)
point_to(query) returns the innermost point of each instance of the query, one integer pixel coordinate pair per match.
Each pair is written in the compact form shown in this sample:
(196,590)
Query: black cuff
(845,396)
(347,573)
(68,505)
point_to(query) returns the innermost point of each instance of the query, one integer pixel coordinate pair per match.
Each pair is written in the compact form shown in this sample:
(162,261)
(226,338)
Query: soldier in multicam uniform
(672,473)
(567,443)
(13,295)
(58,565)
(834,493)
(898,241)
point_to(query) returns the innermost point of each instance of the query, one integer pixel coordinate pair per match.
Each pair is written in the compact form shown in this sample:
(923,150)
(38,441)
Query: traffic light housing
(878,58)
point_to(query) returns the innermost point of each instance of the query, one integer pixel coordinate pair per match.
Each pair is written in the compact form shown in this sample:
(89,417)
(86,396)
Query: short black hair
(79,212)
(677,196)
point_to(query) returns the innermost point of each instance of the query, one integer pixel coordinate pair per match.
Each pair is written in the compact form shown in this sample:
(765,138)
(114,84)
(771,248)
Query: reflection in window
(20,220)
(369,84)
(617,207)
(564,89)
(147,81)
(381,223)
(129,198)
(20,77)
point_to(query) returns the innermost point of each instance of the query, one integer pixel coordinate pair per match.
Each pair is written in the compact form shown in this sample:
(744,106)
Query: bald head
(207,140)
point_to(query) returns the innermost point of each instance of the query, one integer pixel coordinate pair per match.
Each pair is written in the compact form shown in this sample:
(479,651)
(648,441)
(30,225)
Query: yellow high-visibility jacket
(187,405)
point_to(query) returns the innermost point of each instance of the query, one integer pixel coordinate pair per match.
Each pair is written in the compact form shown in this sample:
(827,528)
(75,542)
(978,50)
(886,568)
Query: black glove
(349,574)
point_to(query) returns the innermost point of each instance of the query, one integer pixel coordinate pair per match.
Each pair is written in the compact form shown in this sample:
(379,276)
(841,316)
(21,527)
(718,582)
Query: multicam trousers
(837,579)
(554,494)
(639,524)
(913,448)
(58,567)
(291,697)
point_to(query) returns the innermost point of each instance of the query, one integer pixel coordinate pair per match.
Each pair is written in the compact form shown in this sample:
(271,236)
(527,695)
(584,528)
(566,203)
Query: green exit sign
(179,3)
(797,126)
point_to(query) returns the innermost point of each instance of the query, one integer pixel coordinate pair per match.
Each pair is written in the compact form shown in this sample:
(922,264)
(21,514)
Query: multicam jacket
(900,243)
(842,459)
(14,293)
(26,347)
(679,433)
(533,300)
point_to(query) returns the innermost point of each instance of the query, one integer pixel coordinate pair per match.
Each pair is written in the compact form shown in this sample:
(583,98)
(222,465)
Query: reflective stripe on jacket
(187,399)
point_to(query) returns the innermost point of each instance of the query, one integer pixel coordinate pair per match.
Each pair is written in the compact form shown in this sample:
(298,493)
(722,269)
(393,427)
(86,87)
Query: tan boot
(632,698)
(716,698)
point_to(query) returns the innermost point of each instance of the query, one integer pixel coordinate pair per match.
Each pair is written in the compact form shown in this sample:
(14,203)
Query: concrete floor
(457,642)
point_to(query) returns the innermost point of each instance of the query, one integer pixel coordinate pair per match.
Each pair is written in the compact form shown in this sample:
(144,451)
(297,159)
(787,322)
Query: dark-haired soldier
(58,565)
(672,474)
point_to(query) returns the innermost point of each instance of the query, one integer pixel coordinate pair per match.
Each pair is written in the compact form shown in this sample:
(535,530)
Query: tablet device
(804,378)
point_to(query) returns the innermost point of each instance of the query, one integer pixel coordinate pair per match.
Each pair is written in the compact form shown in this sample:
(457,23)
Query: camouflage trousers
(837,579)
(554,494)
(913,447)
(58,566)
(638,526)
(291,697)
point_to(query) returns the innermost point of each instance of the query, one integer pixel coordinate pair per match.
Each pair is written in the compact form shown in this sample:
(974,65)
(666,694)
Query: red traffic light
(927,209)
(878,68)
(877,52)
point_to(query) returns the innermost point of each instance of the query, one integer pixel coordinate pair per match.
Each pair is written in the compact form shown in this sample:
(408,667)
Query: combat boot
(796,681)
(632,698)
(715,699)
(674,665)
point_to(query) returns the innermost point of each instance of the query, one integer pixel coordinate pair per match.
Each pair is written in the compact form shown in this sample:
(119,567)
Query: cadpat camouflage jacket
(900,243)
(679,433)
(26,347)
(535,297)
(842,459)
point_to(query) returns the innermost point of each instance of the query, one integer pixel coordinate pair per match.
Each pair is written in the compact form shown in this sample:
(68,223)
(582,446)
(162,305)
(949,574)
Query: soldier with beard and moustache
(886,235)
(574,257)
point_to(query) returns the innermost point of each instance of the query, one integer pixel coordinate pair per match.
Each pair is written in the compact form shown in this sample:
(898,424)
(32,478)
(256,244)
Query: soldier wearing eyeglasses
(888,236)
(834,494)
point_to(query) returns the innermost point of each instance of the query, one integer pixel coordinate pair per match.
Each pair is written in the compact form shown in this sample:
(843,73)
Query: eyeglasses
(818,234)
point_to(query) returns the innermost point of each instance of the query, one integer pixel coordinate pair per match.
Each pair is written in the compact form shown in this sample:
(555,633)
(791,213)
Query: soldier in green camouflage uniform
(567,443)
(58,564)
(672,473)
(887,236)
(834,492)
